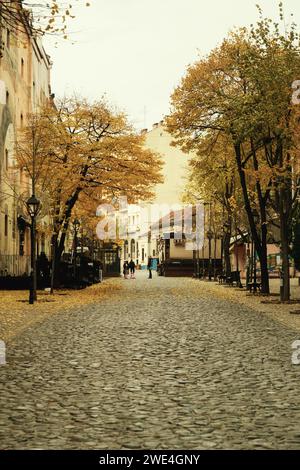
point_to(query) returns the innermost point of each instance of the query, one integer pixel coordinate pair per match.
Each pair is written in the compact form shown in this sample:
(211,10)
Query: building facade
(141,242)
(160,229)
(24,87)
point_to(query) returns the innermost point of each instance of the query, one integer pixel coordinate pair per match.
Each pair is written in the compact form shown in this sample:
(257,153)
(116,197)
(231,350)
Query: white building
(140,243)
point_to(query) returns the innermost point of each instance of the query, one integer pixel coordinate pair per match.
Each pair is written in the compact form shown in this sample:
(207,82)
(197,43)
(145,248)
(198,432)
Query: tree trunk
(284,199)
(263,259)
(226,245)
(260,243)
(284,235)
(53,261)
(265,287)
(65,223)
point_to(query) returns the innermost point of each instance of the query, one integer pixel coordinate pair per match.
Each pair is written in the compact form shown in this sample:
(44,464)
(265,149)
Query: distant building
(140,243)
(153,228)
(174,168)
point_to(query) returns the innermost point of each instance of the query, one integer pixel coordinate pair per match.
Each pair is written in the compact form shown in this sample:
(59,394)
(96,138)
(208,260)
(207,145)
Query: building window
(14,226)
(22,228)
(43,243)
(6,225)
(8,38)
(6,159)
(22,67)
(153,252)
(132,248)
(7,96)
(33,93)
(21,121)
(126,250)
(143,254)
(2,92)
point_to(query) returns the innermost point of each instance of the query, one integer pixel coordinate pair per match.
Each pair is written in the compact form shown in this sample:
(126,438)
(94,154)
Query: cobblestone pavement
(160,365)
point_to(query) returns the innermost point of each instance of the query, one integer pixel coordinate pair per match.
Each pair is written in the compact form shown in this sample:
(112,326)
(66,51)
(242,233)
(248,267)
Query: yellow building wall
(24,86)
(174,168)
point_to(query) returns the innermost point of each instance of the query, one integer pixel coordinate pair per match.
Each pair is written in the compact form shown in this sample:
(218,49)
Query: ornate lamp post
(76,225)
(209,236)
(225,230)
(33,207)
(197,270)
(203,246)
(254,267)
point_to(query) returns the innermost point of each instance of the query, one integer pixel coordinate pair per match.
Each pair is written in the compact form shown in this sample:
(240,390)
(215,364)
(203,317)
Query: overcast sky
(136,51)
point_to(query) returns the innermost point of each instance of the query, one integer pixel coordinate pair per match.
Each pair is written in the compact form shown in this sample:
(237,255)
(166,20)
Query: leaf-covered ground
(16,314)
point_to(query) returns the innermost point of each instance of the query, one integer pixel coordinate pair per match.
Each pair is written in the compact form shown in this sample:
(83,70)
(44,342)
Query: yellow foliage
(80,155)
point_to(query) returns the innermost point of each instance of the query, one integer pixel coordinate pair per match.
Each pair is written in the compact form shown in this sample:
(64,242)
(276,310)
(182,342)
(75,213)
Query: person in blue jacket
(149,266)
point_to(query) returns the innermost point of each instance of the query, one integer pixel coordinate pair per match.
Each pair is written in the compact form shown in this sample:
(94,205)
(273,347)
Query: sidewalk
(278,312)
(16,314)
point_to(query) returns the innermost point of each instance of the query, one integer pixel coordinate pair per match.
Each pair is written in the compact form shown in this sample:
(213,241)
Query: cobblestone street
(161,364)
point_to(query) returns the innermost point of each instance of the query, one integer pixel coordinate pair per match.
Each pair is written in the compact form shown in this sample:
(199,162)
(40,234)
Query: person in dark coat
(149,266)
(125,269)
(132,268)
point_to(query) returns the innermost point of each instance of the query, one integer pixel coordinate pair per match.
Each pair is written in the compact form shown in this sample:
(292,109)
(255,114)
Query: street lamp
(254,248)
(196,253)
(76,225)
(204,230)
(225,255)
(33,207)
(209,236)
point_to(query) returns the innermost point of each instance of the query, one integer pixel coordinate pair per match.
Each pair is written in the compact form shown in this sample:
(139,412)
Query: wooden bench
(234,278)
(222,278)
(253,286)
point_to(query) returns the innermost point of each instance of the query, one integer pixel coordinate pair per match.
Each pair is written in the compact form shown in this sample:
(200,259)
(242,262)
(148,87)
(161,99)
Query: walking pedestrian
(125,269)
(132,269)
(149,266)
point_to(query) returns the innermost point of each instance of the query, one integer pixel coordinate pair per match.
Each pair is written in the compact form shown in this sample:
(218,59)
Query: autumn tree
(92,152)
(43,17)
(212,98)
(243,90)
(213,177)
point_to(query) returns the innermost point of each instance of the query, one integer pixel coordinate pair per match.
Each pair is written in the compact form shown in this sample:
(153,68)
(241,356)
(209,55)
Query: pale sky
(136,51)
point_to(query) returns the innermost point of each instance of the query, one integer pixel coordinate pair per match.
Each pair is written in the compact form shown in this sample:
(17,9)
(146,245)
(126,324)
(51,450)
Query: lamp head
(76,223)
(33,206)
